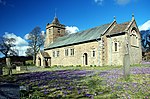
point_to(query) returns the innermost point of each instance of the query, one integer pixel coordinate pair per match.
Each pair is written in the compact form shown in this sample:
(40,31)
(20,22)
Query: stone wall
(135,51)
(78,57)
(115,57)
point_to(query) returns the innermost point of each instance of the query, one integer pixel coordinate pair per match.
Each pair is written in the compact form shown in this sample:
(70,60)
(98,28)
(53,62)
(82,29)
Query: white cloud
(122,2)
(21,50)
(26,36)
(19,40)
(145,26)
(72,29)
(21,44)
(43,33)
(99,2)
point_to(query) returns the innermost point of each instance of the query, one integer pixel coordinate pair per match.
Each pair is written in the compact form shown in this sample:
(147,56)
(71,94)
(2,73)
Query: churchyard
(76,82)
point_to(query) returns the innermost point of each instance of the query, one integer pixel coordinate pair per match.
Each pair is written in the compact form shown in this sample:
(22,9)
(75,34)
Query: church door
(85,59)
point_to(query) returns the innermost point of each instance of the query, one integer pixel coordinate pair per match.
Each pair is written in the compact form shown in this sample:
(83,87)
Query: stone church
(102,45)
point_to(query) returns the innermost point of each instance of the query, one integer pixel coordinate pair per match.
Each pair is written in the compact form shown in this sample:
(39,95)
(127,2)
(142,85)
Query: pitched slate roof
(55,21)
(83,36)
(119,28)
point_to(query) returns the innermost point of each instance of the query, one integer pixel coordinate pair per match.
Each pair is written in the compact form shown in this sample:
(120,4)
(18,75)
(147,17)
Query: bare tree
(29,52)
(36,40)
(6,48)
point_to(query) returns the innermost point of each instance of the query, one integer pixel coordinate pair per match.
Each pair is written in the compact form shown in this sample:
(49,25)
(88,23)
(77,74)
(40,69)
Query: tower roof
(55,20)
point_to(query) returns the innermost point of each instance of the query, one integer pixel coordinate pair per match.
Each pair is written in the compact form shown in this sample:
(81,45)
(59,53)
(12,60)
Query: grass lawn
(73,82)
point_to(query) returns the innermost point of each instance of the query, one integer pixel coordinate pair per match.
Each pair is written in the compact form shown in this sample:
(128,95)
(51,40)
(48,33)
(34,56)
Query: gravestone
(9,91)
(21,68)
(126,61)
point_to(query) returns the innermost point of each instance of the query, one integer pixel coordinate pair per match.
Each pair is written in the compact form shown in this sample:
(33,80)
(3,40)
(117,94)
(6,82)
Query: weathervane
(132,15)
(114,18)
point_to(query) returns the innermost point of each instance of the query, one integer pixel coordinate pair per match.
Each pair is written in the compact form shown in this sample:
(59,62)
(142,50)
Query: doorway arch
(47,59)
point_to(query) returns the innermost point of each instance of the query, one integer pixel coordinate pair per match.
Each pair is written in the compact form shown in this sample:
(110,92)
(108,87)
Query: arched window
(93,53)
(134,38)
(72,51)
(115,45)
(66,52)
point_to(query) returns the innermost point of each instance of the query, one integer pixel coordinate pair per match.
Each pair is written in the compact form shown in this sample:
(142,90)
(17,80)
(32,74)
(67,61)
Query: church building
(99,46)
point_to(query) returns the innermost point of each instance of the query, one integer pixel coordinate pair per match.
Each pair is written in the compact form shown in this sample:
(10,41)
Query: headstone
(18,68)
(21,68)
(9,91)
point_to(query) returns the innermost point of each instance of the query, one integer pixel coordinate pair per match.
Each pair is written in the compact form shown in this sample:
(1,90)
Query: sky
(19,17)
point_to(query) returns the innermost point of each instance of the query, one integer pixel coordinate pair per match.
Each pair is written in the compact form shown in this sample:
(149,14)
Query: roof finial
(132,16)
(114,18)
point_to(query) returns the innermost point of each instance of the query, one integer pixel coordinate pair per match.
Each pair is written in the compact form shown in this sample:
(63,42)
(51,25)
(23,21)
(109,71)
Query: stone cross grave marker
(126,60)
(8,62)
(9,66)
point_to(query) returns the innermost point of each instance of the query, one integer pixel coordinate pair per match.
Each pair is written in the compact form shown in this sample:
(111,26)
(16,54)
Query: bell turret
(53,31)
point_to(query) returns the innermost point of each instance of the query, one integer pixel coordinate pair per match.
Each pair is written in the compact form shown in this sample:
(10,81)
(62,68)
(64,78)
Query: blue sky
(21,16)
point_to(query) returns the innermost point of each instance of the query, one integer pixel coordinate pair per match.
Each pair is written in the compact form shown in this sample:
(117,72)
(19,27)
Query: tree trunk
(10,71)
(34,59)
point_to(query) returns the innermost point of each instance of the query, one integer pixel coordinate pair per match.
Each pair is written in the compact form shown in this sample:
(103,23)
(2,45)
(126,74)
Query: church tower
(53,31)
